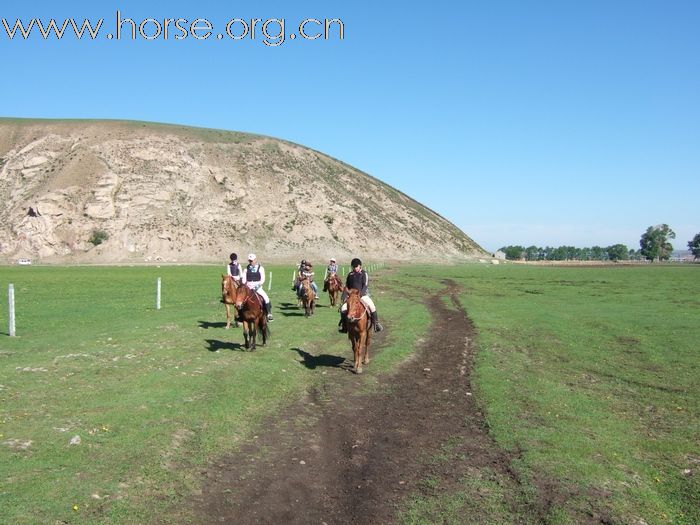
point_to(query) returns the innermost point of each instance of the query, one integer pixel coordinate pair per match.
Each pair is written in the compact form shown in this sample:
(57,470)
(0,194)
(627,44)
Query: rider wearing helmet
(358,279)
(297,276)
(331,270)
(233,268)
(254,278)
(307,273)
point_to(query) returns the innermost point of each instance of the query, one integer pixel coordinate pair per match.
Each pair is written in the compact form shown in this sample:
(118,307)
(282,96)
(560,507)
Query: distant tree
(532,253)
(694,245)
(513,253)
(599,254)
(634,255)
(617,252)
(654,242)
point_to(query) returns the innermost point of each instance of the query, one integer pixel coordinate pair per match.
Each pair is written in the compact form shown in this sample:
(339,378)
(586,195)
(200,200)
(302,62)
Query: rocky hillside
(157,192)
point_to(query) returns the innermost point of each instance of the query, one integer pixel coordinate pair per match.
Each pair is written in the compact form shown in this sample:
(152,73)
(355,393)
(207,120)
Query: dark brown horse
(252,314)
(334,286)
(359,330)
(228,296)
(308,297)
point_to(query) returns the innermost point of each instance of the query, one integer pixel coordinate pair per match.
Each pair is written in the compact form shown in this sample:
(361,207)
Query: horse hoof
(358,370)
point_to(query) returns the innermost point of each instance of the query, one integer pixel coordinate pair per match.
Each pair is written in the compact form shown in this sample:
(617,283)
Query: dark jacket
(358,281)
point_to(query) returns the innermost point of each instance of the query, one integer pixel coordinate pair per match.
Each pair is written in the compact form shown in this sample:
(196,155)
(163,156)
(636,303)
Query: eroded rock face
(184,194)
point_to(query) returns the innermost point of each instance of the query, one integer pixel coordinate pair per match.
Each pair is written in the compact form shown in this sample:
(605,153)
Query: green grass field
(591,373)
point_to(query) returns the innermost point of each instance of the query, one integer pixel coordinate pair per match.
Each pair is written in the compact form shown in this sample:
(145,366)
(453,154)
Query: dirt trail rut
(345,457)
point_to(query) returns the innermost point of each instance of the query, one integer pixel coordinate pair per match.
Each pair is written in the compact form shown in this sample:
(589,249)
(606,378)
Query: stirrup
(378,327)
(269,317)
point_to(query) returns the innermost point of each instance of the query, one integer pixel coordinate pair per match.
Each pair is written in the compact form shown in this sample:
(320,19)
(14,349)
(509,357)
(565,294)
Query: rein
(249,295)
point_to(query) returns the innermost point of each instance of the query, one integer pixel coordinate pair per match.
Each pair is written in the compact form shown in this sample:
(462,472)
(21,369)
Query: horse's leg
(254,332)
(368,341)
(245,334)
(228,315)
(359,344)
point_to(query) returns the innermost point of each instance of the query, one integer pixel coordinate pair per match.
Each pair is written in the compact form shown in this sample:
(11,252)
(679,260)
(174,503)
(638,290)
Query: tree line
(654,245)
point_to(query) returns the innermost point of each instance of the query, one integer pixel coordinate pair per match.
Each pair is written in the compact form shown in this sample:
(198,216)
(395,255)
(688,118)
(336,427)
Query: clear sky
(522,122)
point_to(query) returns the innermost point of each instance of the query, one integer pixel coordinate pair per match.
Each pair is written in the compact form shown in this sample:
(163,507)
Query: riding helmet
(233,257)
(355,262)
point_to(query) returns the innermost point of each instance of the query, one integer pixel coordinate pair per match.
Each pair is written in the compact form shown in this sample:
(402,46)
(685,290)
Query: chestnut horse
(334,286)
(228,296)
(308,297)
(252,314)
(359,329)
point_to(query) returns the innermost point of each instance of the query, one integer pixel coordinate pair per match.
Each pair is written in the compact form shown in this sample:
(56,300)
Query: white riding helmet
(251,257)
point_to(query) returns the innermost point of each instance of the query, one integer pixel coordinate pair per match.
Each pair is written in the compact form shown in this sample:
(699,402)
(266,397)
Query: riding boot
(375,321)
(268,311)
(343,323)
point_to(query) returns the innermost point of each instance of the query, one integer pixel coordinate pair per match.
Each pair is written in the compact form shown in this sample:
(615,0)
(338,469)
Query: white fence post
(158,295)
(269,284)
(11,301)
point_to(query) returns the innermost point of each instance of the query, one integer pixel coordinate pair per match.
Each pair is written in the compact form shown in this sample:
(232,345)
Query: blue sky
(541,122)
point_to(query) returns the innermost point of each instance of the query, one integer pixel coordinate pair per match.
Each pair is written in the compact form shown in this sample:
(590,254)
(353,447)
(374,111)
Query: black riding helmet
(355,262)
(233,257)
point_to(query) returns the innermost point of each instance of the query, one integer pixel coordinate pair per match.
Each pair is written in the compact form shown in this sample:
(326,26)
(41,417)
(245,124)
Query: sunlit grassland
(592,374)
(589,374)
(153,394)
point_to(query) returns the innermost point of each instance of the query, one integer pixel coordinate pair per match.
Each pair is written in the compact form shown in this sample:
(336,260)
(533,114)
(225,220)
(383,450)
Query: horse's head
(241,295)
(225,283)
(355,307)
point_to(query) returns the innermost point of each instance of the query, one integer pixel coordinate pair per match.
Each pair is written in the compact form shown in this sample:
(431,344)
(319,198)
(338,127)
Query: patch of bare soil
(347,457)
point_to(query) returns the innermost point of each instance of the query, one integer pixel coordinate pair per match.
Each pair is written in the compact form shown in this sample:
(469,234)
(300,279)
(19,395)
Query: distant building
(501,256)
(682,256)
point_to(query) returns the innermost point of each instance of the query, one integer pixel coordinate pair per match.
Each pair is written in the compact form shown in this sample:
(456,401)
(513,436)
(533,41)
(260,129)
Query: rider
(233,268)
(331,270)
(254,278)
(358,280)
(307,273)
(297,276)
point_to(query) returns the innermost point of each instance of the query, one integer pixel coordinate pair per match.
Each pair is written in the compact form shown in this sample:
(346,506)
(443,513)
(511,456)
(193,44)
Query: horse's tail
(264,330)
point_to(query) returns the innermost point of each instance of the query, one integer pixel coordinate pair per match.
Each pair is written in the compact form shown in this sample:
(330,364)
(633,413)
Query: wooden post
(11,301)
(158,295)
(269,283)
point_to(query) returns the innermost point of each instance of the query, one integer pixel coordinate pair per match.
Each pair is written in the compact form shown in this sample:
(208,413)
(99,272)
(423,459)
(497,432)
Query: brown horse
(228,296)
(334,286)
(308,297)
(252,314)
(359,329)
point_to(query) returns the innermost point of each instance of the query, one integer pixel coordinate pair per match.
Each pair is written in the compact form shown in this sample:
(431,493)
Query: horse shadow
(314,361)
(292,309)
(288,306)
(214,345)
(208,324)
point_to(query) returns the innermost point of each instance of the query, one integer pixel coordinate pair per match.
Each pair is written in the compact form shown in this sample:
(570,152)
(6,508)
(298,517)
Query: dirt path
(343,457)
